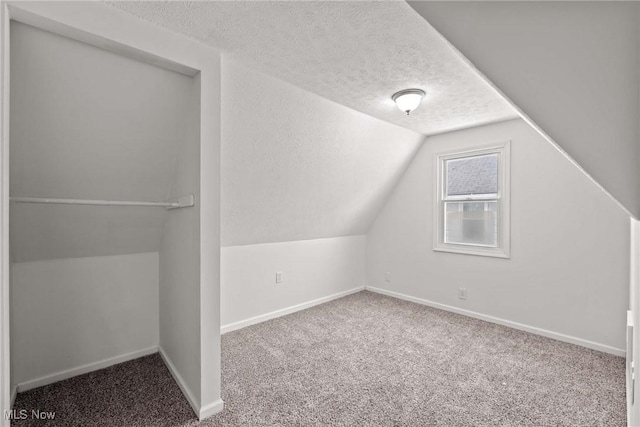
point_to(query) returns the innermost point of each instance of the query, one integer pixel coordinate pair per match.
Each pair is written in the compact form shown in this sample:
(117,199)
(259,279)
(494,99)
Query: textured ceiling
(296,166)
(355,53)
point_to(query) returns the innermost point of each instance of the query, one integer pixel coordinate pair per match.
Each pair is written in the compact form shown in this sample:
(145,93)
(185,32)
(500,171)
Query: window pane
(472,175)
(471,223)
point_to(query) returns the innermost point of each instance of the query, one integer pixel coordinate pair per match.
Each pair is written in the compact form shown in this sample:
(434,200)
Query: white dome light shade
(408,100)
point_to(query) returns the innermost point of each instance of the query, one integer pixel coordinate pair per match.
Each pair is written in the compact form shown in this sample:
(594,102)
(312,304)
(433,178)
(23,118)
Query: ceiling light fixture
(408,100)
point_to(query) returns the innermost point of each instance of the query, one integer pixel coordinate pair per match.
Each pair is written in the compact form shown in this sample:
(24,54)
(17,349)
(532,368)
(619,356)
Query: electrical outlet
(387,276)
(462,293)
(278,276)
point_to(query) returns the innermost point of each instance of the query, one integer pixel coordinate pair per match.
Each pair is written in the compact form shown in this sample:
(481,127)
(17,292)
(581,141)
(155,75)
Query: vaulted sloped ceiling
(312,144)
(356,53)
(296,166)
(572,67)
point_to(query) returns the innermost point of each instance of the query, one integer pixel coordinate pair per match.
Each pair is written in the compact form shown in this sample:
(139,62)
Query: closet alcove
(104,219)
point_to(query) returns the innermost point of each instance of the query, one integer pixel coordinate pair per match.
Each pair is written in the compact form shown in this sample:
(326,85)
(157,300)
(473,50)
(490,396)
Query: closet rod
(181,202)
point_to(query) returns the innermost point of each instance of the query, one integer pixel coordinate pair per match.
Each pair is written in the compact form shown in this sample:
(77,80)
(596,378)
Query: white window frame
(503,250)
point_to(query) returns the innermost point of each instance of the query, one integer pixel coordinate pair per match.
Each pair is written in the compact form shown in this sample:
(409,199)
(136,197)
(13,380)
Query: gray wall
(180,260)
(66,313)
(311,270)
(87,123)
(569,266)
(303,179)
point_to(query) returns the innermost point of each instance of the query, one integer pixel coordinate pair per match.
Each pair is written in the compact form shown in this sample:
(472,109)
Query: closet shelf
(180,202)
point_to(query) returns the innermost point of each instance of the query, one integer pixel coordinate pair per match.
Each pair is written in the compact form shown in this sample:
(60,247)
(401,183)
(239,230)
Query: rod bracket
(183,202)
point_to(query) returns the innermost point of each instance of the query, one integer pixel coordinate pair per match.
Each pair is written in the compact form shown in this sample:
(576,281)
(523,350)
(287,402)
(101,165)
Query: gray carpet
(363,360)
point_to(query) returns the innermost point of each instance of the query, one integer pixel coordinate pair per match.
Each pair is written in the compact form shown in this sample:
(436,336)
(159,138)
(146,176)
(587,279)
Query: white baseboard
(89,367)
(183,386)
(284,311)
(211,409)
(515,325)
(201,412)
(14,393)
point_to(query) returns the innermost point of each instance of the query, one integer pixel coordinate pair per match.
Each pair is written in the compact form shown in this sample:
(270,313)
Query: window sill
(469,250)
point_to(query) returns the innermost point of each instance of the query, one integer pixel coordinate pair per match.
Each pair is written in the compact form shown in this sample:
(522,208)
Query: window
(472,201)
